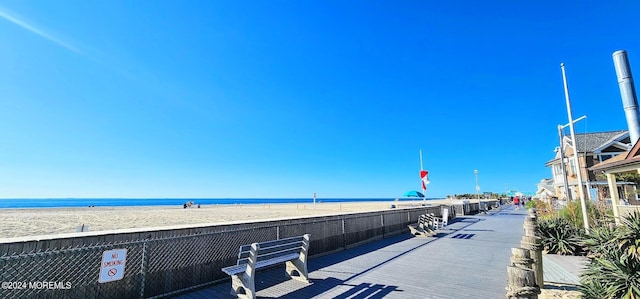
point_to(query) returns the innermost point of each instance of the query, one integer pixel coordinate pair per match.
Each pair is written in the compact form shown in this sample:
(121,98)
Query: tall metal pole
(477,188)
(564,167)
(575,151)
(424,191)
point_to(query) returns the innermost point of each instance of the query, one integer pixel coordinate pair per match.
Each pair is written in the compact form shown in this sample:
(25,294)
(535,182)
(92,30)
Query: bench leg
(299,266)
(421,230)
(428,229)
(414,230)
(243,286)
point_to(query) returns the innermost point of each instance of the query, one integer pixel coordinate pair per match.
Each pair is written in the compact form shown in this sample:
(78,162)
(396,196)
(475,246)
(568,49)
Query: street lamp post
(575,150)
(563,167)
(477,188)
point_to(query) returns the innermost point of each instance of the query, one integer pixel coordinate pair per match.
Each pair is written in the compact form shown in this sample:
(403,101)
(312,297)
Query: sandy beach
(48,221)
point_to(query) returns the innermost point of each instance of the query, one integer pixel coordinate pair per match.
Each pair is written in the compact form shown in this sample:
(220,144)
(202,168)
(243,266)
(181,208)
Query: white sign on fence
(112,265)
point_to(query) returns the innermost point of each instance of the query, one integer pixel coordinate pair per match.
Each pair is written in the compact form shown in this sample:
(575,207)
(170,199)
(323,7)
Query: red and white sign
(112,265)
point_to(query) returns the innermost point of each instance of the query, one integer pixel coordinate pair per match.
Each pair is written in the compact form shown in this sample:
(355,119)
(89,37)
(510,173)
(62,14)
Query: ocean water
(10,203)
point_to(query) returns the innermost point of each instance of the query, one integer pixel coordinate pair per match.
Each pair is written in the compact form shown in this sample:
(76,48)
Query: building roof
(631,158)
(546,184)
(596,142)
(590,142)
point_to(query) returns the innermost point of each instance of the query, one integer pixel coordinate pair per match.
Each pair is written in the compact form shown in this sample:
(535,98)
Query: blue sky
(288,98)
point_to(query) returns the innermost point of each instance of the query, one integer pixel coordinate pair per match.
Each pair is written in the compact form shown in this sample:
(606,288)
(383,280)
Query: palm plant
(614,271)
(597,241)
(612,276)
(559,236)
(628,239)
(592,288)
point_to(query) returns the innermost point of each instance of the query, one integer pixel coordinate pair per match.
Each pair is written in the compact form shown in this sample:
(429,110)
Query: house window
(557,169)
(573,166)
(605,157)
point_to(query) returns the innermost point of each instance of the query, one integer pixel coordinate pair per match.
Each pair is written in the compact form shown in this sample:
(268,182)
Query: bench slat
(273,255)
(273,243)
(267,250)
(233,270)
(276,260)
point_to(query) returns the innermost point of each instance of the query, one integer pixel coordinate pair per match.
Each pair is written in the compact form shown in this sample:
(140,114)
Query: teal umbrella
(413,194)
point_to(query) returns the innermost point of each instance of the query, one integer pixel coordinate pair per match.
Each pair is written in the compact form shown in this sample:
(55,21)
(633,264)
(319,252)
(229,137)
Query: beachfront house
(592,149)
(545,190)
(627,163)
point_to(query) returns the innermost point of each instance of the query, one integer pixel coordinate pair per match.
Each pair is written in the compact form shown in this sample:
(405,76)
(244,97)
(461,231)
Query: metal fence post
(143,268)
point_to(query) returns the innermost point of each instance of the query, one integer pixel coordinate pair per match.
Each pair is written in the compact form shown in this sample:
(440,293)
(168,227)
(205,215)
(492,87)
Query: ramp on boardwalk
(469,259)
(563,269)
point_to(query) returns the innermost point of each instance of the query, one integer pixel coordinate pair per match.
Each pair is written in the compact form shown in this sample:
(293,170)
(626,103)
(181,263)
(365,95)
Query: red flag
(424,176)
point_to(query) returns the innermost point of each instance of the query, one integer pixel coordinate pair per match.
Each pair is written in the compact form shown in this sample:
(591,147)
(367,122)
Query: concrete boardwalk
(469,259)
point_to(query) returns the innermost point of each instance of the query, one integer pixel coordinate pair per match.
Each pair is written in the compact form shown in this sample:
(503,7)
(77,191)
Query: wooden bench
(291,251)
(424,227)
(482,207)
(441,222)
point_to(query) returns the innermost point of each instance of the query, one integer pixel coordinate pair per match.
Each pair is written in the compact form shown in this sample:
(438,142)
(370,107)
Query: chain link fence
(162,263)
(67,273)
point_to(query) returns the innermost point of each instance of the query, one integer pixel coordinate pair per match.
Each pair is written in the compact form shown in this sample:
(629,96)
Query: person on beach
(516,202)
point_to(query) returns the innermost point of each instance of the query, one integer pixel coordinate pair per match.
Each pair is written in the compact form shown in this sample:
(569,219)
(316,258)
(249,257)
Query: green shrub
(592,289)
(614,270)
(572,213)
(628,236)
(611,276)
(597,241)
(530,204)
(559,236)
(596,215)
(543,209)
(614,251)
